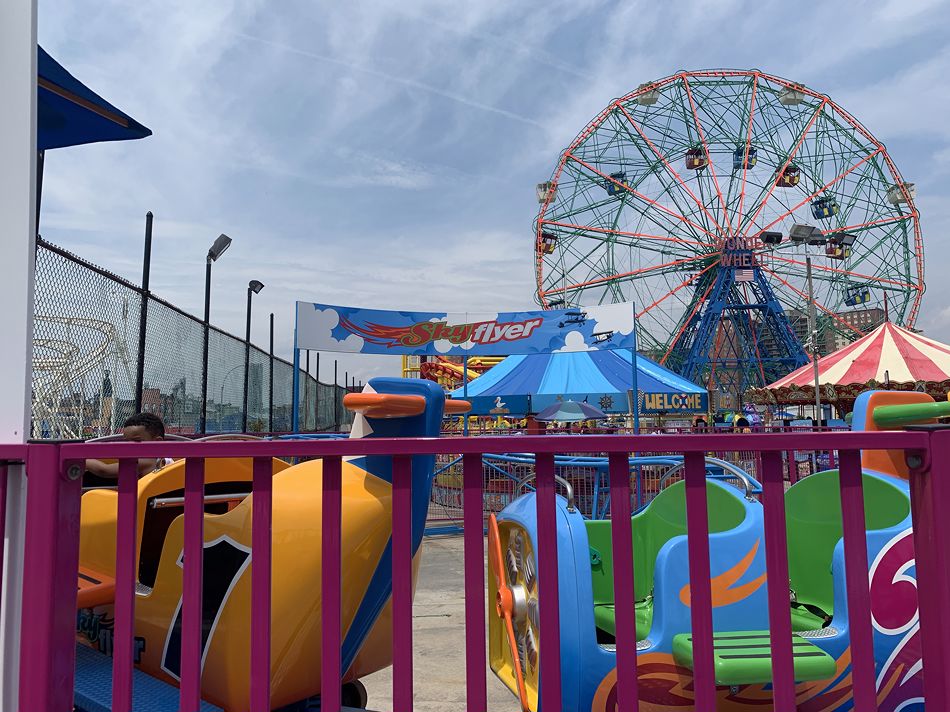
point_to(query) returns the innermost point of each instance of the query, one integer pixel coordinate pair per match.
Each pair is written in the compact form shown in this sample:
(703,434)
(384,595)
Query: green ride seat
(605,620)
(744,657)
(813,526)
(663,519)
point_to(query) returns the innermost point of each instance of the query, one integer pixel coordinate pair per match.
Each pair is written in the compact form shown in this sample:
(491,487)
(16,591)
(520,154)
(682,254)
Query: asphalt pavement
(438,636)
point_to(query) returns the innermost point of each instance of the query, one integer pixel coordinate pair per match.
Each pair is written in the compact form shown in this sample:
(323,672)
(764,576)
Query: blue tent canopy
(527,384)
(69,113)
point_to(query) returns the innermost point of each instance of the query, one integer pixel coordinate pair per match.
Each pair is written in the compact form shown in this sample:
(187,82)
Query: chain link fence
(86,358)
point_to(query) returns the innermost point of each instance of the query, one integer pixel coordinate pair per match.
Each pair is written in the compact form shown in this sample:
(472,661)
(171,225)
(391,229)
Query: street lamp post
(218,248)
(813,328)
(253,287)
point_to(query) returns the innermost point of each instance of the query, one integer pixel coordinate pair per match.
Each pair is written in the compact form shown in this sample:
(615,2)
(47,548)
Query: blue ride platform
(93,690)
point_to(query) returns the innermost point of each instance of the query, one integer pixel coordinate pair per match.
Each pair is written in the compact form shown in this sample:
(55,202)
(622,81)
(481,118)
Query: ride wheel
(702,197)
(513,593)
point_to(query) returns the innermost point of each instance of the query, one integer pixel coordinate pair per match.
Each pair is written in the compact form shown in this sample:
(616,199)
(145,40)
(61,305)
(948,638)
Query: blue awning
(69,113)
(532,382)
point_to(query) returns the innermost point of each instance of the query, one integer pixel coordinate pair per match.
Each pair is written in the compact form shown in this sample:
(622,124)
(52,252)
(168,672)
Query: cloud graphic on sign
(617,318)
(318,325)
(573,342)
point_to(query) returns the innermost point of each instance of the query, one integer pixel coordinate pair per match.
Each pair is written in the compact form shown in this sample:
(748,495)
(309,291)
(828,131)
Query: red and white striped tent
(889,356)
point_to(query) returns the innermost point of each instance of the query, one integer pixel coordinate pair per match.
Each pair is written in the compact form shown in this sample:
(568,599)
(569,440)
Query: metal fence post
(270,389)
(306,393)
(336,398)
(316,402)
(929,498)
(143,313)
(48,653)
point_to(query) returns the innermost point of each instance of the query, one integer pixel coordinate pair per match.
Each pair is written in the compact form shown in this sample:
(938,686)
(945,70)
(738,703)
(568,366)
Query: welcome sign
(328,327)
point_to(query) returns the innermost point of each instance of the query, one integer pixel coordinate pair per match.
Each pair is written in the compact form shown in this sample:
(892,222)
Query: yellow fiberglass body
(296,599)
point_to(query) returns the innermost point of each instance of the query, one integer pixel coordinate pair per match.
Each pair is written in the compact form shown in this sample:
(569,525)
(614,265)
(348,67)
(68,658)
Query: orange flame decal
(722,593)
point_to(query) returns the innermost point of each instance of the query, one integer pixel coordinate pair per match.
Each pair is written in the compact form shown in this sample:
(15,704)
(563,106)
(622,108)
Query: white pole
(17,248)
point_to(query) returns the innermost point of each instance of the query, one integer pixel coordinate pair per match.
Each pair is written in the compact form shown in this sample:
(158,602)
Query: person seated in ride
(699,425)
(141,427)
(741,425)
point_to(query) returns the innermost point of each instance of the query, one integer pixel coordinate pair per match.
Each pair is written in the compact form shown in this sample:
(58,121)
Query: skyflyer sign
(328,327)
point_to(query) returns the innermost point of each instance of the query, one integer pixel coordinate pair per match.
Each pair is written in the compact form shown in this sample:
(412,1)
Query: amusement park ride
(71,370)
(699,197)
(817,599)
(389,407)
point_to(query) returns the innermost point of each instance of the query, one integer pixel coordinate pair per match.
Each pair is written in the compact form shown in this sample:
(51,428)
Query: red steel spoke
(654,203)
(702,137)
(669,167)
(635,273)
(791,155)
(608,231)
(699,303)
(748,144)
(826,268)
(817,303)
(814,195)
(677,288)
(873,223)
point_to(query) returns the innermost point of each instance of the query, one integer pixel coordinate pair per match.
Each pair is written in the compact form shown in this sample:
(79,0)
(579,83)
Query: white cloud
(612,317)
(573,342)
(385,154)
(315,326)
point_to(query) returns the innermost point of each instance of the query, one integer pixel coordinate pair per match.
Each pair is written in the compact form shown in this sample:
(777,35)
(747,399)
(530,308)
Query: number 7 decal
(224,562)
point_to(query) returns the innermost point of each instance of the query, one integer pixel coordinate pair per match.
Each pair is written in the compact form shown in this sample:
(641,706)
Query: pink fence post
(856,580)
(402,583)
(191,588)
(550,654)
(776,565)
(930,502)
(48,652)
(3,519)
(628,693)
(475,684)
(792,466)
(125,577)
(700,586)
(261,513)
(330,671)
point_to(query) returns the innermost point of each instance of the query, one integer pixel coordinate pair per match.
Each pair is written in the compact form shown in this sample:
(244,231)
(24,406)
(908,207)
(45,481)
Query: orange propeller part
(505,605)
(456,407)
(390,405)
(384,405)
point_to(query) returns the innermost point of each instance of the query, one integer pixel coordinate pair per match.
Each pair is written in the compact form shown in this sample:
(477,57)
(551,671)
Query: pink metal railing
(48,652)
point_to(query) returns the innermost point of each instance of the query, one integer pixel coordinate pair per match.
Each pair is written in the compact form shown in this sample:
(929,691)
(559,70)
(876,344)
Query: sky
(385,155)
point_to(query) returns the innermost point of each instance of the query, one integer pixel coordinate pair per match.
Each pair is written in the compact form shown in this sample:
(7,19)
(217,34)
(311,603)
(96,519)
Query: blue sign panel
(325,327)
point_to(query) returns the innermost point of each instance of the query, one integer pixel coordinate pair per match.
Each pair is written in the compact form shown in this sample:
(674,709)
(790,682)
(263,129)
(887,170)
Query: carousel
(890,357)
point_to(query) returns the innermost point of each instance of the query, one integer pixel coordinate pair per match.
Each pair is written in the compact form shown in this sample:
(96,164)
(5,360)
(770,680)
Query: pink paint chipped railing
(52,559)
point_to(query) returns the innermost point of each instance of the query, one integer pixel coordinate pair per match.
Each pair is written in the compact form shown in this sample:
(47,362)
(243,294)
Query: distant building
(152,401)
(255,388)
(864,320)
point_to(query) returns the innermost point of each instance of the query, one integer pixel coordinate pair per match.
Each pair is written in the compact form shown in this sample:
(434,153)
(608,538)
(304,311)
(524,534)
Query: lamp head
(219,247)
(255,286)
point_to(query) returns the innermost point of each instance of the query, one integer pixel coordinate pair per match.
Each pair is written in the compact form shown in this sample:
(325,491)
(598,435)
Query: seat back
(813,524)
(663,519)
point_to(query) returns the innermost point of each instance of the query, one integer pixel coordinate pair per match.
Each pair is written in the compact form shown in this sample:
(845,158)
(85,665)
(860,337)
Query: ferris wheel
(708,198)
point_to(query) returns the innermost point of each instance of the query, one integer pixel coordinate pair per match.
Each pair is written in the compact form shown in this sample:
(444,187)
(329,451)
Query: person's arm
(111,469)
(103,469)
